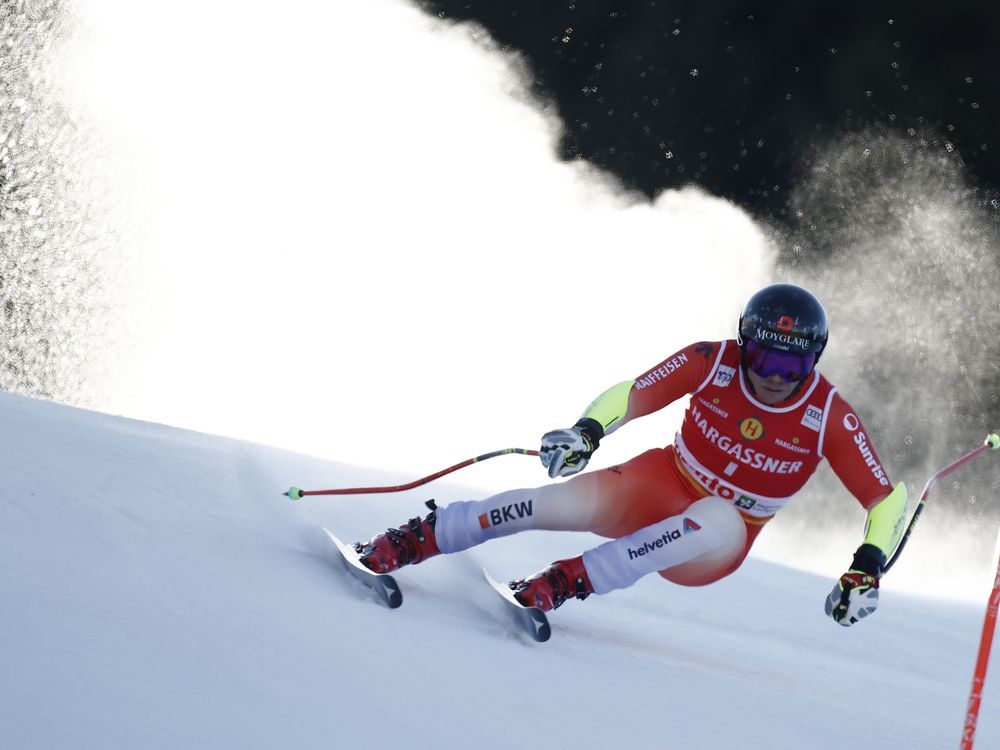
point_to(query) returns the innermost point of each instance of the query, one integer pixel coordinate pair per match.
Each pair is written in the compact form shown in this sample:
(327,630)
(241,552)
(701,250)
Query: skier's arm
(566,452)
(848,448)
(884,525)
(678,375)
(855,595)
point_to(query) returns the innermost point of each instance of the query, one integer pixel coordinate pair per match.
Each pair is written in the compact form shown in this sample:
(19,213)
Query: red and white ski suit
(730,446)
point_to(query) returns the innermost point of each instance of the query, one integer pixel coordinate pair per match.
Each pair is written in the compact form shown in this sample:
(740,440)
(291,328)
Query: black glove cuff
(869,559)
(592,430)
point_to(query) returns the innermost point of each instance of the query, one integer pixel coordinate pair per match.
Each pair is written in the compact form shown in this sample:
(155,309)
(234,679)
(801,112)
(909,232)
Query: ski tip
(501,588)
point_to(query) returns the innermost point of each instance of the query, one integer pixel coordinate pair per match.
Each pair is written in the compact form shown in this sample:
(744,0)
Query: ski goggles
(766,362)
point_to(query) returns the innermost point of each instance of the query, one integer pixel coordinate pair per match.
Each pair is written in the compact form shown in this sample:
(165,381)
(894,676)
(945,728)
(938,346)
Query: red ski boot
(554,585)
(411,543)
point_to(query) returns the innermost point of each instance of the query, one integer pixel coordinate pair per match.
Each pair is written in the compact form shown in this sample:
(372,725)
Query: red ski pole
(991,443)
(982,661)
(295,493)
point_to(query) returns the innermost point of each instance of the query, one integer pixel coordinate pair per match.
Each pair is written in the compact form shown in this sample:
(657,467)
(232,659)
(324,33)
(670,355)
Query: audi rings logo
(851,422)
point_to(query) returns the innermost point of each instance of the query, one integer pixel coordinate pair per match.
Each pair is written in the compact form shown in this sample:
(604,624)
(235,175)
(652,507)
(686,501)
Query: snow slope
(157,591)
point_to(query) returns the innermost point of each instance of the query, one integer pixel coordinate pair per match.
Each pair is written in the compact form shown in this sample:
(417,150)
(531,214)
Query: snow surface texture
(159,592)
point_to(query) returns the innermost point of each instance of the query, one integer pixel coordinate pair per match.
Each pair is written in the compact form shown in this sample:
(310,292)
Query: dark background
(737,97)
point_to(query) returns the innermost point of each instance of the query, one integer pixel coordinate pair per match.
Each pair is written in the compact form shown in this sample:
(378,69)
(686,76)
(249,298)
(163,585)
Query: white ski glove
(566,452)
(856,594)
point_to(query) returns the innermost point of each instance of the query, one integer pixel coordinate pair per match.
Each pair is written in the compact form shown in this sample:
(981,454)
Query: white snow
(158,591)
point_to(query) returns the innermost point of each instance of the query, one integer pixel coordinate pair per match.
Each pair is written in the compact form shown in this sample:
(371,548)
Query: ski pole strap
(295,493)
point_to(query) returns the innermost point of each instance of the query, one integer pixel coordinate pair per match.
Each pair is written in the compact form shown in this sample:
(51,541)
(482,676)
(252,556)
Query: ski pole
(982,661)
(295,493)
(992,443)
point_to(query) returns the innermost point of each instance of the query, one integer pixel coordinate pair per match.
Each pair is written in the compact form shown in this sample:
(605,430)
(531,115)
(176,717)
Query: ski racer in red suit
(759,420)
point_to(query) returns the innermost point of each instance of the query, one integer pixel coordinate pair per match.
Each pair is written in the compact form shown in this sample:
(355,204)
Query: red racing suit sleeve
(848,447)
(673,378)
(676,376)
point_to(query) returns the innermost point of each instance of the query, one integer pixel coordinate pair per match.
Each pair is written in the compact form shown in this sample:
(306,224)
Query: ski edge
(382,584)
(531,620)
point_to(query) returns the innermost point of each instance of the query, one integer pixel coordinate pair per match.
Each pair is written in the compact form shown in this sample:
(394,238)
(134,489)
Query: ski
(383,585)
(530,620)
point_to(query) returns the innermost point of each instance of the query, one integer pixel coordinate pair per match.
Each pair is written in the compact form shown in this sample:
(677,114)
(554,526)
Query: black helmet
(784,317)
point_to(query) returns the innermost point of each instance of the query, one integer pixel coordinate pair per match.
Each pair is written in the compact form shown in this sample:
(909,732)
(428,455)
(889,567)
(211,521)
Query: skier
(759,420)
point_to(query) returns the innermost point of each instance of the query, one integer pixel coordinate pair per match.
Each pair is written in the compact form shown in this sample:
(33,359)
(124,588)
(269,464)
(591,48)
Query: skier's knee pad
(723,518)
